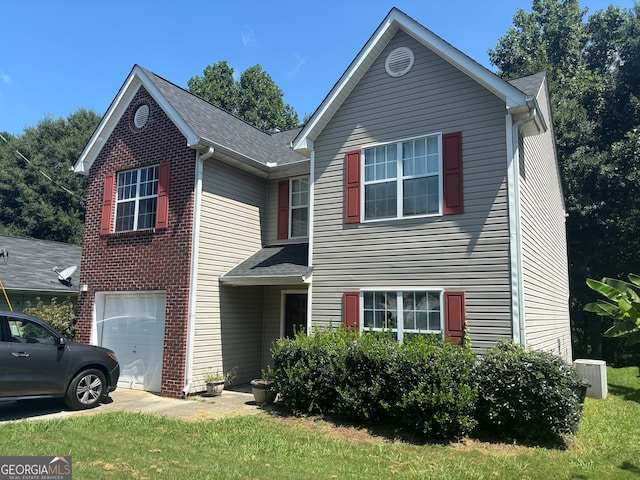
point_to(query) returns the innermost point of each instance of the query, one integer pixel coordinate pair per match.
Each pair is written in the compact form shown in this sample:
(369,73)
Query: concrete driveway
(233,401)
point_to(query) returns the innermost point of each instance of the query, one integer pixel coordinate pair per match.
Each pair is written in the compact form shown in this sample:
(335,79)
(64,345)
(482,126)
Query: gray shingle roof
(30,262)
(222,128)
(275,264)
(529,85)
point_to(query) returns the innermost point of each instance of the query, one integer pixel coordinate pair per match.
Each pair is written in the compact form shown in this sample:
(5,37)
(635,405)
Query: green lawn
(134,446)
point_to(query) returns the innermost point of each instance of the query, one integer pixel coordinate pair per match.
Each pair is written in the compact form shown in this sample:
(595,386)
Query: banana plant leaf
(604,289)
(623,306)
(605,309)
(620,329)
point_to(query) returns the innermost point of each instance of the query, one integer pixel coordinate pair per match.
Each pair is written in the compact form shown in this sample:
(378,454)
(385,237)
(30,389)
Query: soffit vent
(141,116)
(399,62)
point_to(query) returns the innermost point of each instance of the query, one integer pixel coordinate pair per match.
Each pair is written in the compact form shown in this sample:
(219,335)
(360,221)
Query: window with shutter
(414,177)
(407,312)
(293,208)
(137,199)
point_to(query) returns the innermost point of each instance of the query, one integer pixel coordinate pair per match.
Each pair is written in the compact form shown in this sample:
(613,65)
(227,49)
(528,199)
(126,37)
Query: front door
(295,314)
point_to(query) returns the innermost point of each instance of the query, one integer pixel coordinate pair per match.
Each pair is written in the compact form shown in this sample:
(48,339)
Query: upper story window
(402,179)
(136,200)
(409,178)
(299,207)
(293,208)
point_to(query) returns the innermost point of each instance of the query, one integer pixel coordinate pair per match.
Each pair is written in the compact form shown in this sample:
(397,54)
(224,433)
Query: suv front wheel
(86,390)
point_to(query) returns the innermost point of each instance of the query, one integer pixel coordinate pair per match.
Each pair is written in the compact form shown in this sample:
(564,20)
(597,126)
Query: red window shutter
(162,207)
(351,310)
(452,173)
(283,210)
(107,204)
(352,187)
(454,316)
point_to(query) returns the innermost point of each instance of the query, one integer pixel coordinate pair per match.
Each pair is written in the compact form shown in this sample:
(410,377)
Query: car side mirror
(61,342)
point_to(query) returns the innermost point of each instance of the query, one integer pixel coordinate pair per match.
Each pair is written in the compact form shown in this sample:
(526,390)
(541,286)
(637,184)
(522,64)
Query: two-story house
(422,196)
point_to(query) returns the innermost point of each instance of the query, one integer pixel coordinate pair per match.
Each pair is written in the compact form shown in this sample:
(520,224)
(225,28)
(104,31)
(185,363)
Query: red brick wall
(143,260)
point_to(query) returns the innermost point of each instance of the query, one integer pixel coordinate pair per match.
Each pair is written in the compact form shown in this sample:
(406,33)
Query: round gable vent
(141,116)
(399,62)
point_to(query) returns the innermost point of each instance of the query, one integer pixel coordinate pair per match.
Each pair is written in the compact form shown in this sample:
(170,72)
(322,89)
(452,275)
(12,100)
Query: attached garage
(132,325)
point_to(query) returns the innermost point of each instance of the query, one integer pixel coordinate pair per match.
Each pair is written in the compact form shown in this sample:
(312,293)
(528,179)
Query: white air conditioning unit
(595,372)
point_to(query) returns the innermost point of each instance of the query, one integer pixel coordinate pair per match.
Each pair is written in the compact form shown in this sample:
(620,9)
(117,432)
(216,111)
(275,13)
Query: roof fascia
(234,158)
(127,92)
(264,280)
(395,21)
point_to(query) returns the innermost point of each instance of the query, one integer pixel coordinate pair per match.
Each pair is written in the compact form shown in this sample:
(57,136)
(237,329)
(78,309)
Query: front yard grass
(122,445)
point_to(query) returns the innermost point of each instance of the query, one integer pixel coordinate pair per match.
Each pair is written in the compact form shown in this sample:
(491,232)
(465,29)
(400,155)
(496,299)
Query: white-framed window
(402,179)
(402,312)
(299,206)
(136,200)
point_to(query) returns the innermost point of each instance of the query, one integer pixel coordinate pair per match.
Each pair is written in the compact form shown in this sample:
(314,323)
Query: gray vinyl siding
(228,320)
(544,251)
(467,252)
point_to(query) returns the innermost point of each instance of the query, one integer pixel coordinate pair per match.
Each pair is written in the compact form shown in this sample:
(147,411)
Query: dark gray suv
(37,361)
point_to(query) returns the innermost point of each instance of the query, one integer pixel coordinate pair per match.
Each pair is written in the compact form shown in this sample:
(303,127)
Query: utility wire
(43,173)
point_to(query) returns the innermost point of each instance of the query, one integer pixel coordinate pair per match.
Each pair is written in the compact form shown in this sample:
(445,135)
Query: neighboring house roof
(203,124)
(28,265)
(516,100)
(276,265)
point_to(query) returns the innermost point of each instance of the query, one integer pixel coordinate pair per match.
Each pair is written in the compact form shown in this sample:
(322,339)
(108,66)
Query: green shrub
(526,395)
(307,369)
(422,385)
(61,316)
(369,386)
(434,393)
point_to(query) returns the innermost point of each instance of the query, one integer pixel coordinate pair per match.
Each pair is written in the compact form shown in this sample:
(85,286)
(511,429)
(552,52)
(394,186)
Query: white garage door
(132,325)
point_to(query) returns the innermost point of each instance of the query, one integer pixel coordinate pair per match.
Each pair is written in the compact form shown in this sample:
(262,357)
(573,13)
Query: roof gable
(203,125)
(397,20)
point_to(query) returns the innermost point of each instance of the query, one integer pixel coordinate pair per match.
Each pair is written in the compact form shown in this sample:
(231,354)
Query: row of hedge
(428,385)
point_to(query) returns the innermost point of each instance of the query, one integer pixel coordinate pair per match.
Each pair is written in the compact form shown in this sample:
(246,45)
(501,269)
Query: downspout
(515,237)
(312,182)
(191,324)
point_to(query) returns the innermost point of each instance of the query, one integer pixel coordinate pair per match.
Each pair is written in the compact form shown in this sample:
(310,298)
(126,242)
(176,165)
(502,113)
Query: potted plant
(214,381)
(262,388)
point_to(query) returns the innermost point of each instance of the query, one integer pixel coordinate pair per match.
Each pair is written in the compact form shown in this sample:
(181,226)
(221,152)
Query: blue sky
(59,56)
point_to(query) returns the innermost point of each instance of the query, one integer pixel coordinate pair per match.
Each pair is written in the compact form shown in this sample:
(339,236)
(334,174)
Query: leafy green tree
(255,98)
(550,38)
(40,196)
(217,86)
